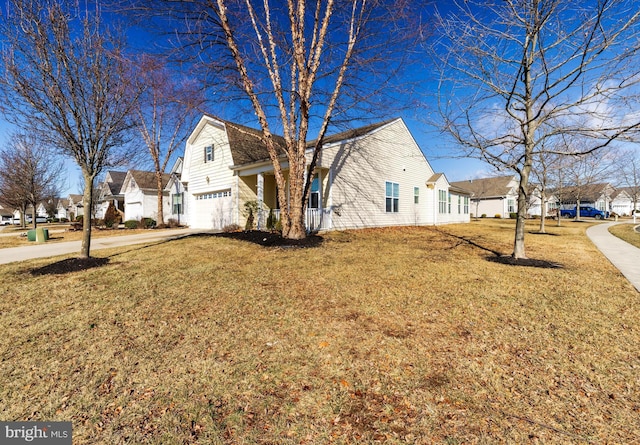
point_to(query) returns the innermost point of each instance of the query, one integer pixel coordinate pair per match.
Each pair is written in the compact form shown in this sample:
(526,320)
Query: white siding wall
(216,212)
(133,204)
(360,169)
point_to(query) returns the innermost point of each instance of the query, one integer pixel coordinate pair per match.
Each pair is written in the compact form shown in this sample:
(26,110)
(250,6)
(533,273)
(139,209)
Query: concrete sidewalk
(622,255)
(13,254)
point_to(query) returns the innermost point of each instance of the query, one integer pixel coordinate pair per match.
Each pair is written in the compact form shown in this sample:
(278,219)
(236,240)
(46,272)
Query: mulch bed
(70,265)
(525,262)
(272,239)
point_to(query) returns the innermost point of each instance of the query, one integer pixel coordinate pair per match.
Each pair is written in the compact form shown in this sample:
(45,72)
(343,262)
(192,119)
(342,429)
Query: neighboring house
(593,195)
(41,210)
(622,201)
(75,207)
(109,193)
(492,196)
(368,177)
(6,214)
(534,208)
(140,193)
(62,208)
(176,191)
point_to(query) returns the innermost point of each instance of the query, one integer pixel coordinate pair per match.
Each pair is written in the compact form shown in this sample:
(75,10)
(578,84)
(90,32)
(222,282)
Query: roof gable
(487,187)
(143,180)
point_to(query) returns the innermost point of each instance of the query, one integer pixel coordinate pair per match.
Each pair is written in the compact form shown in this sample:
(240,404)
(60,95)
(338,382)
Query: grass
(626,232)
(402,335)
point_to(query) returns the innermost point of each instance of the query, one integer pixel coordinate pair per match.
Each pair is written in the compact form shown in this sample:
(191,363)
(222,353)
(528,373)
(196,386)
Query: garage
(212,210)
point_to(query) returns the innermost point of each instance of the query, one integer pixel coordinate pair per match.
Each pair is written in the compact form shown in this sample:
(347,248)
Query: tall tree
(64,77)
(629,168)
(587,176)
(516,75)
(163,114)
(29,173)
(300,66)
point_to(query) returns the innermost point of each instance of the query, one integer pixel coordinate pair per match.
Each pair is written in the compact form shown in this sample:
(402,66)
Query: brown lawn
(404,335)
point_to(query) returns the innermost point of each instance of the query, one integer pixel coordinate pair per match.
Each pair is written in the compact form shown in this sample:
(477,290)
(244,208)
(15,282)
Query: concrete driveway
(44,250)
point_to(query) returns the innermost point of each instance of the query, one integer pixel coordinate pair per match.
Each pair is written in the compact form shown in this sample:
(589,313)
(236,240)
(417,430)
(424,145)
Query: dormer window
(208,153)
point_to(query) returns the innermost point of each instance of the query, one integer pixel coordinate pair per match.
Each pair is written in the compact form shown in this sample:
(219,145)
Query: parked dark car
(585,211)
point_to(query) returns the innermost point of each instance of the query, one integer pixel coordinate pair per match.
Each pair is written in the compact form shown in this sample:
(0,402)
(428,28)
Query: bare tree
(587,176)
(163,114)
(629,168)
(64,77)
(517,75)
(301,66)
(29,173)
(545,169)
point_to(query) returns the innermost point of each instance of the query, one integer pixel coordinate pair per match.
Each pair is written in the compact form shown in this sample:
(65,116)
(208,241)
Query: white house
(368,177)
(175,189)
(140,192)
(62,208)
(109,193)
(622,201)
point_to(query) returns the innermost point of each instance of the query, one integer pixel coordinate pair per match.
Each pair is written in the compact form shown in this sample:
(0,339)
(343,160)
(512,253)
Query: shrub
(131,224)
(79,218)
(64,220)
(231,228)
(497,215)
(278,225)
(513,215)
(111,216)
(148,223)
(271,220)
(173,223)
(55,220)
(250,210)
(484,215)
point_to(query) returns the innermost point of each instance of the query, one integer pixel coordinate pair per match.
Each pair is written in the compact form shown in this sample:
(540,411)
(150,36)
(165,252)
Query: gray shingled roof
(486,187)
(117,179)
(147,180)
(588,193)
(247,147)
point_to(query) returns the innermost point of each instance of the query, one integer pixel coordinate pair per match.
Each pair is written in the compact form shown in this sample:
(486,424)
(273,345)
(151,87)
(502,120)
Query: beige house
(492,197)
(368,177)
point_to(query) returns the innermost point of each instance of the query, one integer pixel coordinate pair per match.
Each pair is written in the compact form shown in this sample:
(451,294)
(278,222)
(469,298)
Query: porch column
(260,194)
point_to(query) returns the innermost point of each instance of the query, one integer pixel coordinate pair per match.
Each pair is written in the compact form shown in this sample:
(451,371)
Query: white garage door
(212,210)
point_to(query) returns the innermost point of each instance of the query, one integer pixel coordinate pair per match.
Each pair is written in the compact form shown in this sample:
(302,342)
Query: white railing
(316,219)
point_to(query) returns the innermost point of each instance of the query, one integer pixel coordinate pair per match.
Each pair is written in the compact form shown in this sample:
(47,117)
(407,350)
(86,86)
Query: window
(208,153)
(215,195)
(314,197)
(177,204)
(416,195)
(466,205)
(392,197)
(448,202)
(442,201)
(459,204)
(511,205)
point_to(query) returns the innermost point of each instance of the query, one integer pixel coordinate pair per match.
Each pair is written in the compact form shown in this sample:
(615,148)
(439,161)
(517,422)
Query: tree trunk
(160,216)
(297,207)
(518,244)
(87,202)
(543,212)
(577,218)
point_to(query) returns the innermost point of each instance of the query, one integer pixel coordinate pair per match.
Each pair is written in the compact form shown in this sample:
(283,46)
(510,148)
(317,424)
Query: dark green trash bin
(32,235)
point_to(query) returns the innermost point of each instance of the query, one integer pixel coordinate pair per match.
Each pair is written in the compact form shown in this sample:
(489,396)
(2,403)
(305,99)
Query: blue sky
(437,150)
